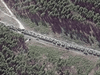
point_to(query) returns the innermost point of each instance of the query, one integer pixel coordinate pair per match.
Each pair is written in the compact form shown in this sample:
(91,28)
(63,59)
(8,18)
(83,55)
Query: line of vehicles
(54,41)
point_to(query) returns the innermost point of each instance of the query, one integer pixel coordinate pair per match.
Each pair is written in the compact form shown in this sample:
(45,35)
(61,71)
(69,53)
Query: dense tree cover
(89,4)
(89,9)
(10,39)
(10,45)
(59,8)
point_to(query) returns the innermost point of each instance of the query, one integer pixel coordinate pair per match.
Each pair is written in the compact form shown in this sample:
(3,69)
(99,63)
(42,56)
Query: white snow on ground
(12,15)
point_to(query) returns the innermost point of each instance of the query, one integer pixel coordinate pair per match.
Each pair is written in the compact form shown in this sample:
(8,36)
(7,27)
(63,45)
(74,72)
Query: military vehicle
(63,44)
(94,53)
(58,43)
(85,52)
(90,51)
(54,41)
(98,54)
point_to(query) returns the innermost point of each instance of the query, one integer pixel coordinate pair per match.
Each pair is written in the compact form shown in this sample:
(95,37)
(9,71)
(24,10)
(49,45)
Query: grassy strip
(81,65)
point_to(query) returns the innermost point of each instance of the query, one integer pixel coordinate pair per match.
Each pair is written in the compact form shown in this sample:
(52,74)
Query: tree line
(58,8)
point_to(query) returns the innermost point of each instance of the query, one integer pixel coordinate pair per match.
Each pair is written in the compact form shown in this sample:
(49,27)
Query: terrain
(50,60)
(20,58)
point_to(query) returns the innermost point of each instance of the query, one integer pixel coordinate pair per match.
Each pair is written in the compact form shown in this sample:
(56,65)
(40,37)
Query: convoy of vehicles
(57,42)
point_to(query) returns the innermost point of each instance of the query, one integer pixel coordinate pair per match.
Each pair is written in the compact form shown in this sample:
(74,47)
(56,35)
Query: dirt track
(8,17)
(4,16)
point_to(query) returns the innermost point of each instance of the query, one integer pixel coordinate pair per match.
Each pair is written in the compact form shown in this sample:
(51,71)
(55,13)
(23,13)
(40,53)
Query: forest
(76,19)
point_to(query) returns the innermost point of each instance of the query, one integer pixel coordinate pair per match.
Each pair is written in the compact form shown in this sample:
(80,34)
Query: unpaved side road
(12,16)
